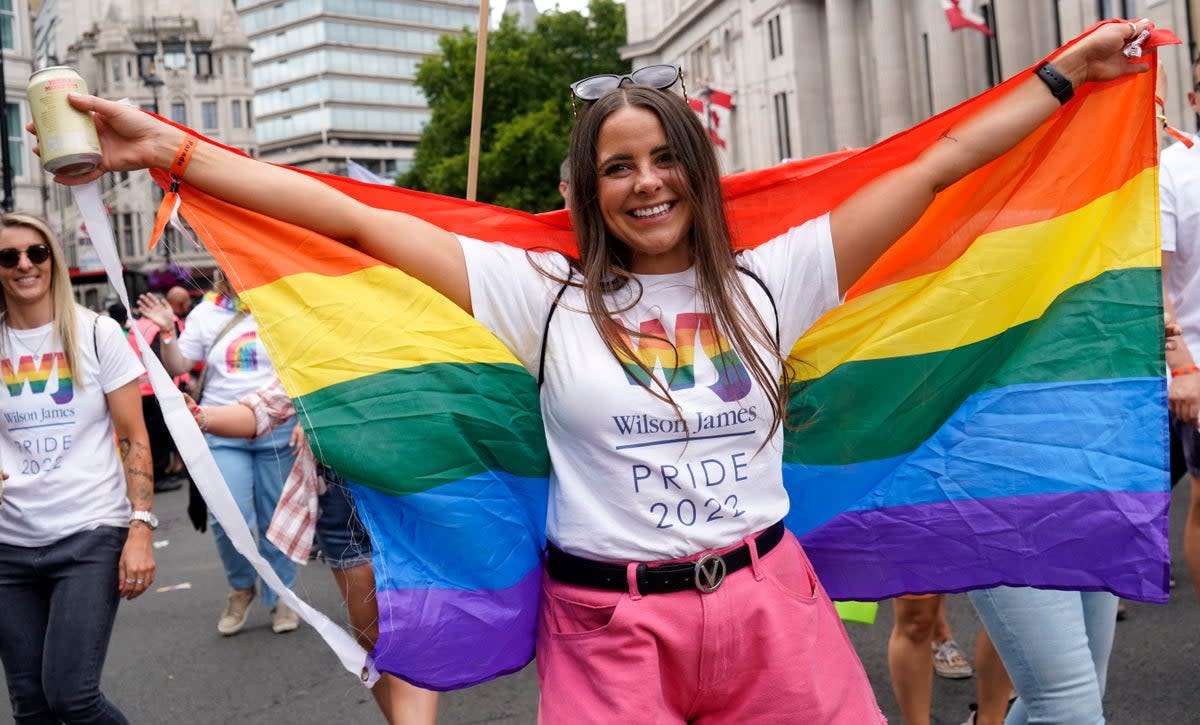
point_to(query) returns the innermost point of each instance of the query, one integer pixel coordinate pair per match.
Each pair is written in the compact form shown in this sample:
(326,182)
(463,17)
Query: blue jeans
(57,606)
(255,471)
(1055,646)
(340,534)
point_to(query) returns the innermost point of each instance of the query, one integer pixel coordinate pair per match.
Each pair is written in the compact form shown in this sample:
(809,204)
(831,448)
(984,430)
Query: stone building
(189,62)
(812,76)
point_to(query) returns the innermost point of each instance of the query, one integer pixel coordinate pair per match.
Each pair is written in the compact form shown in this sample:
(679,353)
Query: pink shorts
(765,647)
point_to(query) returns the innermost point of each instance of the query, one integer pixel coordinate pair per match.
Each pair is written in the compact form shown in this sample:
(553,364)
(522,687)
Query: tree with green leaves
(526,105)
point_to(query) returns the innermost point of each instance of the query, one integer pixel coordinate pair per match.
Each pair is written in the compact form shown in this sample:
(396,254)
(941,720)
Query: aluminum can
(66,136)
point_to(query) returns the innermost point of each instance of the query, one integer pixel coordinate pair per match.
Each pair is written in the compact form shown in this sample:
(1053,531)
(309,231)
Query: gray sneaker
(283,619)
(237,604)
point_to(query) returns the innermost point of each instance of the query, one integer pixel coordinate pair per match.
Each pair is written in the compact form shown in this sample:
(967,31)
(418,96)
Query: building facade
(17,47)
(189,62)
(335,78)
(812,76)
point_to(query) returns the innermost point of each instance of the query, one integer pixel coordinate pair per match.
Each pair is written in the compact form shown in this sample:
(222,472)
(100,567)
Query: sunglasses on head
(37,254)
(660,77)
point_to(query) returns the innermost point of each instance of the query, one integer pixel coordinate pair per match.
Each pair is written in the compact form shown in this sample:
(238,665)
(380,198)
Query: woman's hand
(1099,57)
(297,439)
(136,570)
(130,138)
(157,311)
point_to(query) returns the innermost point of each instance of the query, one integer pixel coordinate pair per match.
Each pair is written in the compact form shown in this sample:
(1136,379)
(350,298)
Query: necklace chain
(35,350)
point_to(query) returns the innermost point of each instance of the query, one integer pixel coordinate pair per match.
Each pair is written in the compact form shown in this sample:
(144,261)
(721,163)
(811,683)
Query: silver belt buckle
(709,573)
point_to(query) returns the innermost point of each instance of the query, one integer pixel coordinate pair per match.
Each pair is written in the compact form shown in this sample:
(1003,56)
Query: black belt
(705,574)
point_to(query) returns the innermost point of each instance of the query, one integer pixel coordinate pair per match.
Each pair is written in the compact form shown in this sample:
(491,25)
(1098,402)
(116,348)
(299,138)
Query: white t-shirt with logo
(237,363)
(1179,201)
(58,445)
(630,480)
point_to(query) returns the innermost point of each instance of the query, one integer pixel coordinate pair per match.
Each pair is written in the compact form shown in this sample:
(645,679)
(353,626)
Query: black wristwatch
(1059,85)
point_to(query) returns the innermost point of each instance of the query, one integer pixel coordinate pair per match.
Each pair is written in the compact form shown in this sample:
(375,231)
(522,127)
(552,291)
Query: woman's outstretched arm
(131,139)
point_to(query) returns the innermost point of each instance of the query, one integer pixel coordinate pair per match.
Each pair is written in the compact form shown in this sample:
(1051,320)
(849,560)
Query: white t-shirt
(626,482)
(237,363)
(1179,201)
(57,445)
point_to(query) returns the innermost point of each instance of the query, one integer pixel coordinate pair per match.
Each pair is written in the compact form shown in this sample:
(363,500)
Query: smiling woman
(672,592)
(75,524)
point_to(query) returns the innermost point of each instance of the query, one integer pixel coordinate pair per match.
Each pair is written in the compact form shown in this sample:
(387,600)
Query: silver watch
(146,517)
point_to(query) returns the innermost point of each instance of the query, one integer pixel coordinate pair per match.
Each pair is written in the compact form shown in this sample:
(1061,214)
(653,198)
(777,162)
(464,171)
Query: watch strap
(1059,85)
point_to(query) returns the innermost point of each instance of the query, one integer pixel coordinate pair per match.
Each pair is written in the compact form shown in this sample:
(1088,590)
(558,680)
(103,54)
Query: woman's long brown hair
(604,260)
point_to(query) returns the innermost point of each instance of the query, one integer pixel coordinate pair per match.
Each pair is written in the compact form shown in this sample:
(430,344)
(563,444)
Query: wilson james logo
(692,330)
(37,376)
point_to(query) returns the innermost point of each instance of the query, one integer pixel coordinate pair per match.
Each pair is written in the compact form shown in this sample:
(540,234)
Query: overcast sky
(497,6)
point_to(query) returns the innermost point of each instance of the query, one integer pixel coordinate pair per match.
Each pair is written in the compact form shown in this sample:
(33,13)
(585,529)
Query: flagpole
(477,101)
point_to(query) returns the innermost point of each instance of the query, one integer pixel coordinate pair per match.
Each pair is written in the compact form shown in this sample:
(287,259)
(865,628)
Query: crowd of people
(621,635)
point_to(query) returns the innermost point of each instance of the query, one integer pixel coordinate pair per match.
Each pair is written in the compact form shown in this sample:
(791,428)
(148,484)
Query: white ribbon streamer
(200,463)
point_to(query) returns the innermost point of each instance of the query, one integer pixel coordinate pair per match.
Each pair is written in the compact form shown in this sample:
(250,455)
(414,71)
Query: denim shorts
(1189,441)
(343,541)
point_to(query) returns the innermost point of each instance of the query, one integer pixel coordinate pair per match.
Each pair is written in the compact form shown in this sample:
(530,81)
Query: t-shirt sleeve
(194,340)
(1166,203)
(119,364)
(799,269)
(511,293)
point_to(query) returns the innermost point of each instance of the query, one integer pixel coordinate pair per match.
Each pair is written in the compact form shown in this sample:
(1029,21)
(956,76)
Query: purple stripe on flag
(444,639)
(1095,540)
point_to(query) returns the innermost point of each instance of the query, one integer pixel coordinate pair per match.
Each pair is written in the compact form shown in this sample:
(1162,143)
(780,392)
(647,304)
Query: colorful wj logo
(37,376)
(242,354)
(678,364)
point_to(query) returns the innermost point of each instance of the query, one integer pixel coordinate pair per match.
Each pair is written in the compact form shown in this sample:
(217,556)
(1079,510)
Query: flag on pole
(987,407)
(714,108)
(358,172)
(962,14)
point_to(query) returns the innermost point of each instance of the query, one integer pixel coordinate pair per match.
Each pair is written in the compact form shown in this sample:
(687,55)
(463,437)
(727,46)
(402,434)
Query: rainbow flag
(987,407)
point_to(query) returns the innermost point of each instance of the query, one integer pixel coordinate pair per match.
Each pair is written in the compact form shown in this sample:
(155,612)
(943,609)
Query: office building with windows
(334,79)
(187,62)
(812,76)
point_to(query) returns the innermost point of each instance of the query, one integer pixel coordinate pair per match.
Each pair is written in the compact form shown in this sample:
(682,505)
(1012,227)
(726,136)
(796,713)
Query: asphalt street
(168,664)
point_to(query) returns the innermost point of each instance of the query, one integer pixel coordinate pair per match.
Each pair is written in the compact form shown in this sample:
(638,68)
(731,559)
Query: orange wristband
(183,156)
(1180,372)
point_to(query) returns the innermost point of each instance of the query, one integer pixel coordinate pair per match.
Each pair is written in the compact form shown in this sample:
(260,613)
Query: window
(208,114)
(235,108)
(249,116)
(16,139)
(116,71)
(783,131)
(203,60)
(775,36)
(146,65)
(125,232)
(175,56)
(179,113)
(8,21)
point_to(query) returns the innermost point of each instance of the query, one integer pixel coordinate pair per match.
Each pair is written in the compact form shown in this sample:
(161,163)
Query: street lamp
(155,83)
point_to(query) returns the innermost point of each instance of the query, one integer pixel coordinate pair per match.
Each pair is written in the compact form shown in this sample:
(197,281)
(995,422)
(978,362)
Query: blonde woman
(75,520)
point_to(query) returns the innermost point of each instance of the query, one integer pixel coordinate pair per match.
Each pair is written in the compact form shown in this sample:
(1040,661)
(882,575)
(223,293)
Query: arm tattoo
(946,135)
(139,476)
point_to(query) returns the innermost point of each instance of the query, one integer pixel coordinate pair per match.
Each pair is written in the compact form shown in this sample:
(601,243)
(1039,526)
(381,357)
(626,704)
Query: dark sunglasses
(659,77)
(37,254)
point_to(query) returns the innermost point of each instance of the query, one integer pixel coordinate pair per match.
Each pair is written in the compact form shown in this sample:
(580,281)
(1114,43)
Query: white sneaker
(283,619)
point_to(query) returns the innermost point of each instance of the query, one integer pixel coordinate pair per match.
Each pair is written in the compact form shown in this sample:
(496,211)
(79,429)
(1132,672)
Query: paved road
(167,663)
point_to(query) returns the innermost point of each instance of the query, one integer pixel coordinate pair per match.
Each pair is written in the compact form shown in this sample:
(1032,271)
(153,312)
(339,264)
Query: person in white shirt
(75,521)
(1179,199)
(673,593)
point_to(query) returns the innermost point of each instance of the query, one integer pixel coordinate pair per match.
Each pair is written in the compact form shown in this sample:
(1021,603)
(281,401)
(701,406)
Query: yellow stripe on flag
(388,319)
(1003,280)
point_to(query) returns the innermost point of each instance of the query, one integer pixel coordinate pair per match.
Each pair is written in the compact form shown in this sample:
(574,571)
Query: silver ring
(129,581)
(139,581)
(1132,30)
